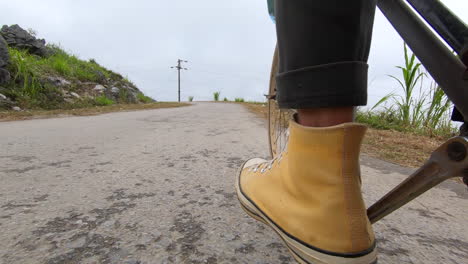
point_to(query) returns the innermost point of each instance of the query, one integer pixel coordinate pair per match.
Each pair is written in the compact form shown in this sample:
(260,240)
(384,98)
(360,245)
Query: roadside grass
(84,111)
(402,148)
(29,85)
(387,121)
(103,101)
(260,109)
(424,113)
(144,99)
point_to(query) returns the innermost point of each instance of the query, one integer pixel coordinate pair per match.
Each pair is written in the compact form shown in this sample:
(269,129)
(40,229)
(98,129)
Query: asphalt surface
(157,186)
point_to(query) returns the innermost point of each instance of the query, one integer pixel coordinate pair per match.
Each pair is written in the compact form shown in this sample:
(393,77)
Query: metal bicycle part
(448,161)
(446,69)
(278,119)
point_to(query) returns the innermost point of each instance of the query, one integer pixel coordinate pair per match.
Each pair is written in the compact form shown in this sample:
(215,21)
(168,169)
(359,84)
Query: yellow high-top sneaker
(311,195)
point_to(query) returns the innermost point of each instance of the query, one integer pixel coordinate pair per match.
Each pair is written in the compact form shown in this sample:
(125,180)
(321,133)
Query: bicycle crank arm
(448,161)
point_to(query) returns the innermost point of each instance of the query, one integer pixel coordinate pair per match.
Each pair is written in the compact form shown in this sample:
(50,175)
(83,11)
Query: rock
(132,98)
(108,223)
(58,81)
(4,60)
(77,243)
(99,88)
(101,78)
(4,76)
(5,103)
(16,108)
(4,55)
(146,239)
(75,95)
(115,90)
(17,37)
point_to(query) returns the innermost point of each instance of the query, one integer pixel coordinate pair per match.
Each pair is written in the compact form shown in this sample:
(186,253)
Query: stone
(4,76)
(5,102)
(132,98)
(101,78)
(99,88)
(77,243)
(17,37)
(146,239)
(4,54)
(16,108)
(75,95)
(115,90)
(58,81)
(108,223)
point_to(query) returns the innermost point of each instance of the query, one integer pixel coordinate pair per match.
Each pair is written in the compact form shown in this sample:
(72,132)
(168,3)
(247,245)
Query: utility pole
(179,67)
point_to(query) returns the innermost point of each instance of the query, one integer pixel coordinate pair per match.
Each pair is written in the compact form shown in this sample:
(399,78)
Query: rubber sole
(301,253)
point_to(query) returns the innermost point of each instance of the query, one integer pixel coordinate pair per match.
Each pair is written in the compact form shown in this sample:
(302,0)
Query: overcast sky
(229,44)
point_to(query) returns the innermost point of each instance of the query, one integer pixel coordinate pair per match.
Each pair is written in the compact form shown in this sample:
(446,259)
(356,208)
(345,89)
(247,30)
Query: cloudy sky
(228,44)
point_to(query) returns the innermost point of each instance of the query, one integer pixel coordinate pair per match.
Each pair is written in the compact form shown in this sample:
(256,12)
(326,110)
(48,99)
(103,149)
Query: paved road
(157,187)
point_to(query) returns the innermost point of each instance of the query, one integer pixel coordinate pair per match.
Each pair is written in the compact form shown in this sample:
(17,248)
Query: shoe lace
(264,166)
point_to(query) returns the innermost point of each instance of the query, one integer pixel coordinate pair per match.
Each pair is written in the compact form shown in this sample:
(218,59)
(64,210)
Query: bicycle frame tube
(446,68)
(449,27)
(444,22)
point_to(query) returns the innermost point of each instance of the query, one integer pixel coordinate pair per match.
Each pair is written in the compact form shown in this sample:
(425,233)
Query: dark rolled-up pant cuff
(330,85)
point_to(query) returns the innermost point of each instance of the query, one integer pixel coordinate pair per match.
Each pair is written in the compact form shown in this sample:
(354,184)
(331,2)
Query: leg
(323,49)
(325,116)
(311,193)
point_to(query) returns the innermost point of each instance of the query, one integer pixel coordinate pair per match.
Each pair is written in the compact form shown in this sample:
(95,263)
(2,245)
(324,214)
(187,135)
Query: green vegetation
(103,101)
(31,86)
(58,63)
(225,99)
(190,98)
(216,96)
(144,99)
(239,100)
(425,114)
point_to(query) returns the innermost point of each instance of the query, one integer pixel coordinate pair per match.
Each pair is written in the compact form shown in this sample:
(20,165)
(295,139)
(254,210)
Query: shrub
(225,99)
(30,87)
(24,69)
(103,101)
(190,98)
(216,96)
(239,100)
(428,112)
(123,95)
(144,99)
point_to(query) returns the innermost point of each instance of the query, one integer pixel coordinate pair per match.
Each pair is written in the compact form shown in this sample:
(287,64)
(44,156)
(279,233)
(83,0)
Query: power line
(179,67)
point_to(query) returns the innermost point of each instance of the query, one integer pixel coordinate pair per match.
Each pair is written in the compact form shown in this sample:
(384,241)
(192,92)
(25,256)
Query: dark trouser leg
(323,47)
